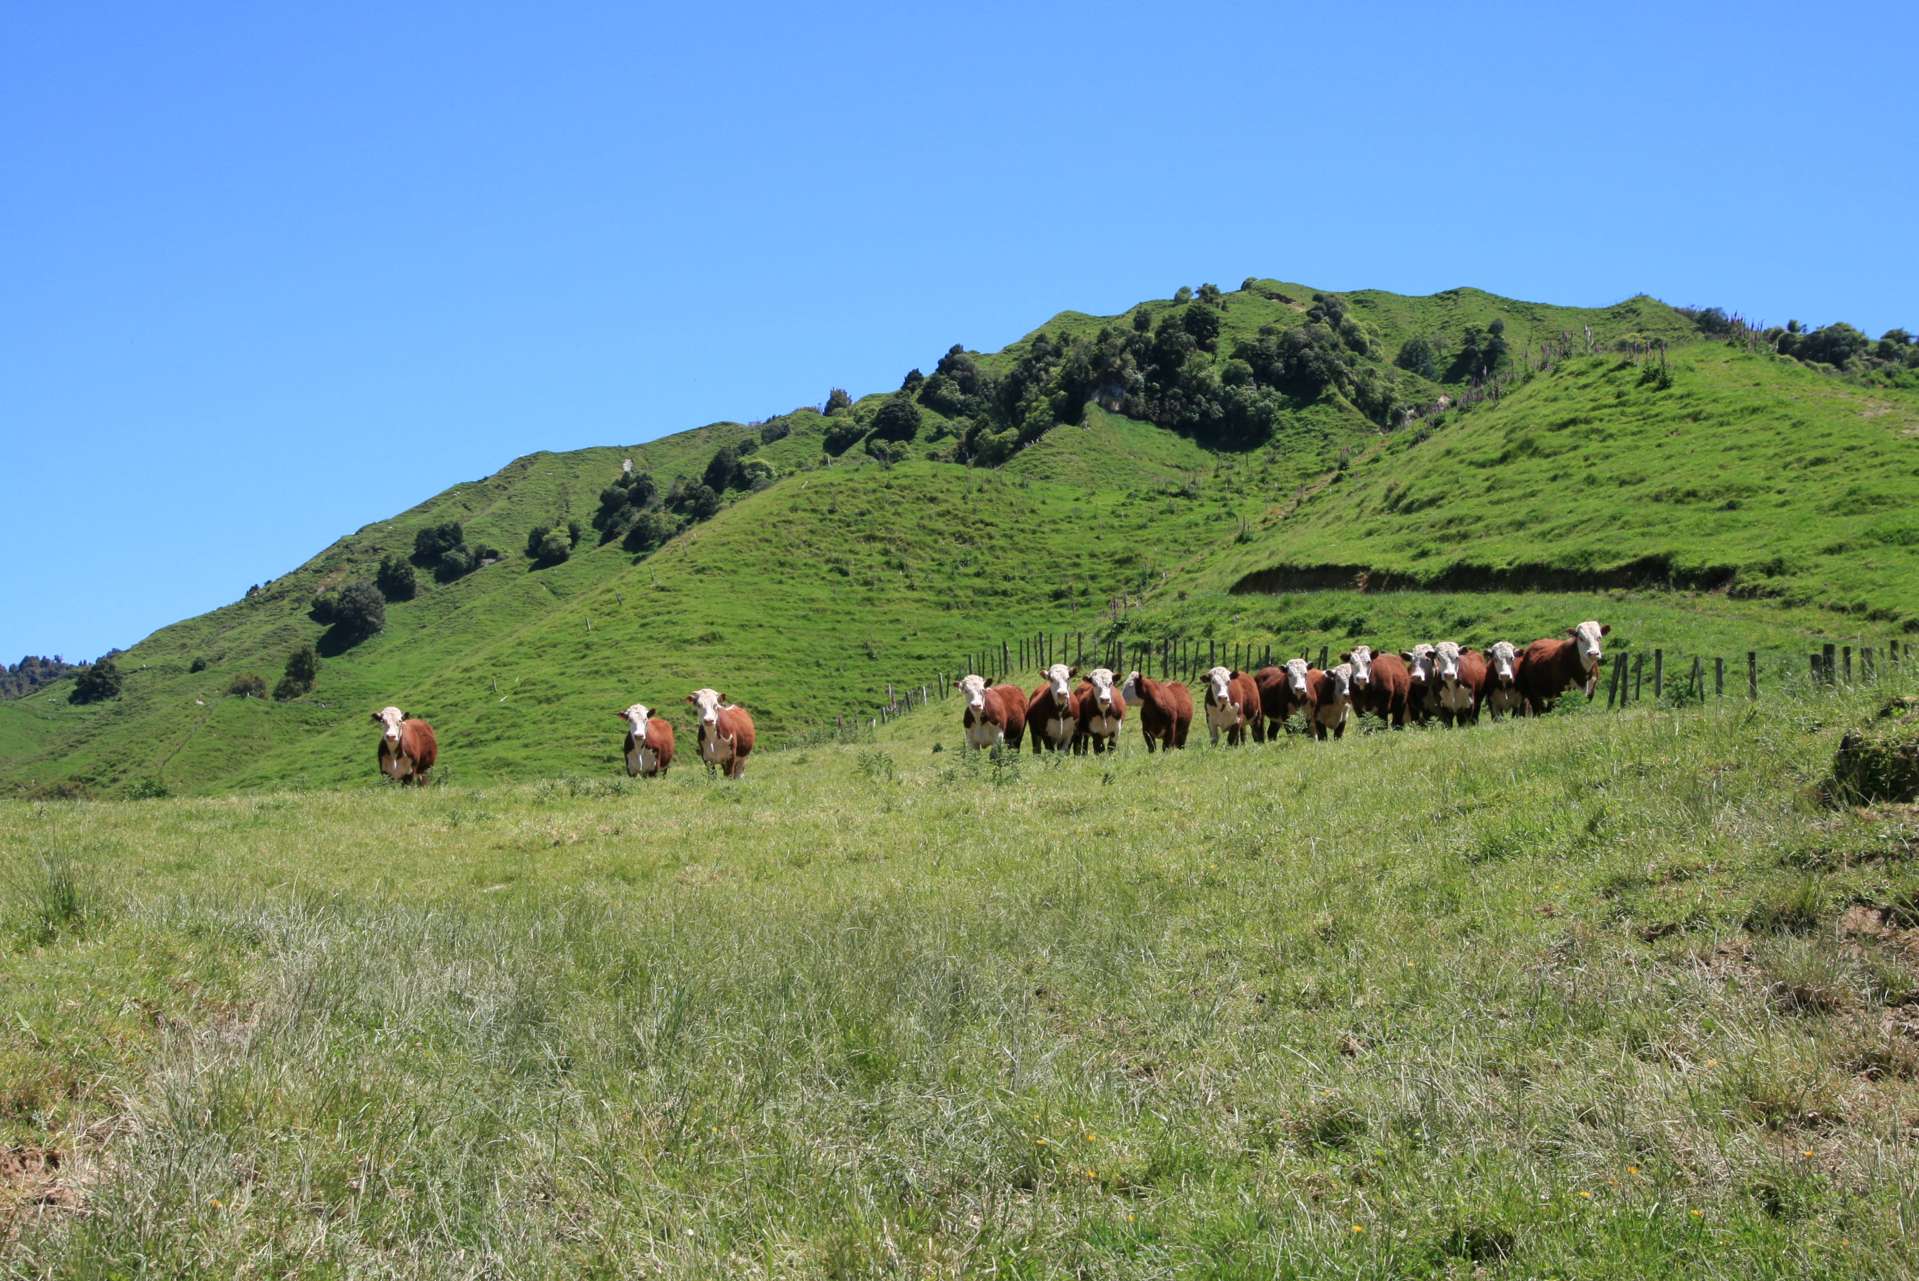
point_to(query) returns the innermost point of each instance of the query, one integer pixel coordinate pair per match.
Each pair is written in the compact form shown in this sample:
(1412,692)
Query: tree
(1183,294)
(96,683)
(837,401)
(552,549)
(303,668)
(722,469)
(898,420)
(912,381)
(1247,285)
(395,579)
(1142,321)
(1203,324)
(699,502)
(775,429)
(1417,356)
(251,685)
(1833,344)
(650,529)
(1210,296)
(573,533)
(197,665)
(325,606)
(435,541)
(534,537)
(361,611)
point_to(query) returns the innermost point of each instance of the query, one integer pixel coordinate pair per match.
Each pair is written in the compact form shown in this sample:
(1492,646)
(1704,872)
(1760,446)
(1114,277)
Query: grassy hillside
(1767,502)
(1602,996)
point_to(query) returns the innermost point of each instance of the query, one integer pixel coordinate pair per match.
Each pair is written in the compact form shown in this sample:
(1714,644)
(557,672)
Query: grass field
(1595,995)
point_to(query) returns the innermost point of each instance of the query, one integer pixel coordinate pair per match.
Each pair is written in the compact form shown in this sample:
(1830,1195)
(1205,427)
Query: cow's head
(1446,662)
(389,719)
(1059,678)
(1219,683)
(1504,660)
(1129,688)
(1419,663)
(1361,657)
(1587,634)
(1342,680)
(636,718)
(973,687)
(1296,669)
(1101,679)
(707,702)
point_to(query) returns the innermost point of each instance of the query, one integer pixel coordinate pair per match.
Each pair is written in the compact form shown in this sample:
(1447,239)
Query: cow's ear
(1605,629)
(1573,632)
(1347,657)
(1408,655)
(690,698)
(376,718)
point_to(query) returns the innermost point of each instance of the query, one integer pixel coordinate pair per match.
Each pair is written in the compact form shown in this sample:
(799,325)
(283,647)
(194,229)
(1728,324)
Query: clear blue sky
(270,272)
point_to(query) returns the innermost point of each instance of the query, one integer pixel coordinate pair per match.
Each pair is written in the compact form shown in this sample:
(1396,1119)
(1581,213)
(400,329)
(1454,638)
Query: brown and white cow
(1381,684)
(994,715)
(1551,666)
(1102,709)
(1501,696)
(1052,713)
(1283,691)
(1165,710)
(1422,695)
(726,732)
(1461,677)
(1332,699)
(407,747)
(1232,706)
(649,742)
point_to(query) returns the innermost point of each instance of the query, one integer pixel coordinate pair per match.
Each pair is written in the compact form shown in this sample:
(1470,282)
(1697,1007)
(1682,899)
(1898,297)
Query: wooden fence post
(1005,661)
(1638,676)
(1696,683)
(1752,674)
(1848,667)
(1718,677)
(1818,670)
(1658,675)
(1865,664)
(1322,661)
(1827,655)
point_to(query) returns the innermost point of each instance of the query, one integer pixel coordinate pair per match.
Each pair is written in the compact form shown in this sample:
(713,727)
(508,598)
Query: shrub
(837,402)
(699,502)
(197,665)
(911,383)
(360,613)
(897,420)
(97,683)
(248,686)
(433,542)
(723,469)
(1183,294)
(455,562)
(303,668)
(552,548)
(757,473)
(841,436)
(325,605)
(775,429)
(395,579)
(1417,356)
(649,530)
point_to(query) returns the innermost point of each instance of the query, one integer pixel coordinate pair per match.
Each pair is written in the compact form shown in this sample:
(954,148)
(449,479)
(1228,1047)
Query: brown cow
(1052,714)
(1283,691)
(1381,684)
(1233,706)
(1461,675)
(649,742)
(1422,695)
(1102,708)
(1165,710)
(1503,665)
(1549,667)
(995,716)
(407,747)
(1332,699)
(726,732)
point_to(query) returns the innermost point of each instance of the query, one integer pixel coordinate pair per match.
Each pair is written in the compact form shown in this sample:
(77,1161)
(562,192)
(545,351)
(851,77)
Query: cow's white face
(706,702)
(1503,657)
(1362,660)
(389,719)
(1219,682)
(1342,680)
(973,687)
(1296,669)
(1102,679)
(1058,679)
(1446,662)
(1588,634)
(636,718)
(1419,663)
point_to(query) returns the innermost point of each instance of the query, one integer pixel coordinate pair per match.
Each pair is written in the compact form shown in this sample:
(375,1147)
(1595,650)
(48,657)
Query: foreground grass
(1595,995)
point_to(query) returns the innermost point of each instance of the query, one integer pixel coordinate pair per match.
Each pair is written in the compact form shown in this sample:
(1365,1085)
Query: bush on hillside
(1210,296)
(841,436)
(250,685)
(722,470)
(698,502)
(302,669)
(648,530)
(1416,356)
(324,606)
(837,402)
(97,683)
(1183,294)
(197,665)
(1835,344)
(897,420)
(395,579)
(360,613)
(435,541)
(756,474)
(775,429)
(912,382)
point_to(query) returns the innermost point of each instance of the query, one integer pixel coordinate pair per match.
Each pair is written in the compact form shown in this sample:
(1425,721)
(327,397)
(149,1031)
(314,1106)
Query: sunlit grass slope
(1601,996)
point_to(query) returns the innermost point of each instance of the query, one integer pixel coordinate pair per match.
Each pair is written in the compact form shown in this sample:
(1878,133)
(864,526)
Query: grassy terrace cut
(1593,995)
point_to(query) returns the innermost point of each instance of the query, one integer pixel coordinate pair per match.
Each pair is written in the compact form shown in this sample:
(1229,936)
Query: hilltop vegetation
(1232,465)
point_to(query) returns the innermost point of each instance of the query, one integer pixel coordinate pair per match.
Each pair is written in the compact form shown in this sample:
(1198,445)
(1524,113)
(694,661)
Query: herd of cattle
(1447,681)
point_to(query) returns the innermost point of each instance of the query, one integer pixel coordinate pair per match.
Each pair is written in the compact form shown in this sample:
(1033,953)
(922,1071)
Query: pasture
(1597,995)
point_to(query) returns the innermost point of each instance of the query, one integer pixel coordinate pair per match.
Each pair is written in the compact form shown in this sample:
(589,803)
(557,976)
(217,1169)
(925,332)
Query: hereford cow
(1422,695)
(649,742)
(1052,713)
(1102,708)
(1233,706)
(1332,699)
(407,747)
(1381,684)
(1165,710)
(1549,667)
(995,715)
(726,732)
(1501,695)
(1283,691)
(1461,677)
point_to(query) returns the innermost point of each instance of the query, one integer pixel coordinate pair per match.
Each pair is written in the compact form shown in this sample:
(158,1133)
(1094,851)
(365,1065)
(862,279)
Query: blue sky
(274,272)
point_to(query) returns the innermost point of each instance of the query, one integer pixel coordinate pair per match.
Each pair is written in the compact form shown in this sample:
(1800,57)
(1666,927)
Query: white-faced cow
(1422,695)
(1052,713)
(1165,710)
(1461,675)
(1549,667)
(1102,709)
(408,747)
(726,732)
(994,715)
(1332,699)
(1381,684)
(1502,696)
(649,742)
(1233,706)
(1283,691)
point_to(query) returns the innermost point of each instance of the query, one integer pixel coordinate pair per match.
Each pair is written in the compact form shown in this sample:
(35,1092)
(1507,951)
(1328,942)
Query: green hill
(1277,451)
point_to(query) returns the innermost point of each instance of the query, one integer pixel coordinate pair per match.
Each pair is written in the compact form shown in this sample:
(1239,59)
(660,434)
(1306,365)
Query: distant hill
(1257,465)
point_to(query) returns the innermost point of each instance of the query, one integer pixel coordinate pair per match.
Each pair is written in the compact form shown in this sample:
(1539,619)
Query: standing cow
(1283,691)
(1052,713)
(649,742)
(1332,700)
(1381,684)
(1502,696)
(995,715)
(726,732)
(1422,695)
(1165,710)
(1233,706)
(1102,708)
(407,747)
(1549,667)
(1462,680)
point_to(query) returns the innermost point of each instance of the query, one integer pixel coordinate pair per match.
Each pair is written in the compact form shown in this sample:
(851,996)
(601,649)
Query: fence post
(1005,661)
(1616,683)
(1322,658)
(1865,664)
(1658,675)
(1752,674)
(1696,683)
(1848,667)
(1831,669)
(1818,670)
(1638,676)
(1892,652)
(1718,677)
